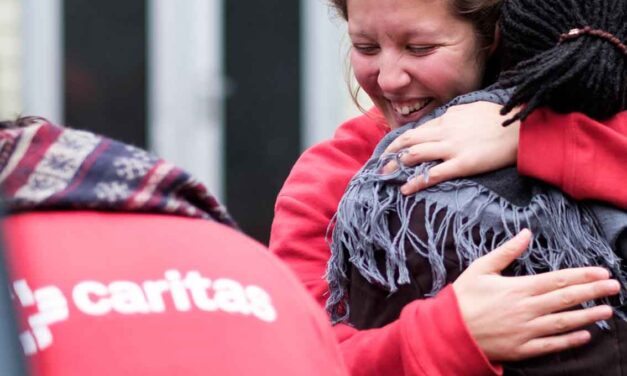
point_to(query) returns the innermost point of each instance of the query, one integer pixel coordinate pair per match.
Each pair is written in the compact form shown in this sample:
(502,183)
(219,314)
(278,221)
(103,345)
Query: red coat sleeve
(423,341)
(585,158)
(311,194)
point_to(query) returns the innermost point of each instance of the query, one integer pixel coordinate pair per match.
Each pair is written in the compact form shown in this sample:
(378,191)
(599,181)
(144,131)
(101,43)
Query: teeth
(406,110)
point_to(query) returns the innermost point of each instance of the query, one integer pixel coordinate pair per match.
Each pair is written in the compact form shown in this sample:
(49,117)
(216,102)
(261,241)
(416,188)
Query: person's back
(373,306)
(129,293)
(123,263)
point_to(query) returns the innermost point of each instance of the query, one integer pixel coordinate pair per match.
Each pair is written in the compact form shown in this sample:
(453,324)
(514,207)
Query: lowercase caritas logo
(45,307)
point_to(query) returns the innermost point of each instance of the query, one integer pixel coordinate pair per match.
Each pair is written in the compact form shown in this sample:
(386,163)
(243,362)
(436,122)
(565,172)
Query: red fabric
(430,337)
(585,158)
(97,272)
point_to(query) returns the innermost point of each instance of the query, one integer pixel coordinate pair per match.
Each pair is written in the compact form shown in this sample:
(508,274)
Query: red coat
(585,158)
(430,337)
(139,294)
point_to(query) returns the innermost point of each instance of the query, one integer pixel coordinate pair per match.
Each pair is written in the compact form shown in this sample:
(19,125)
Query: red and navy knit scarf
(47,167)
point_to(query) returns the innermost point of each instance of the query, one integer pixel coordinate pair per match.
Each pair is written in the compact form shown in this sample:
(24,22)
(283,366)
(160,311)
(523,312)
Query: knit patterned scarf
(47,167)
(567,233)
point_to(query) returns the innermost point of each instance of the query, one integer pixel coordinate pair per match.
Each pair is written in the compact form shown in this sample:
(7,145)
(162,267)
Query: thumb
(500,258)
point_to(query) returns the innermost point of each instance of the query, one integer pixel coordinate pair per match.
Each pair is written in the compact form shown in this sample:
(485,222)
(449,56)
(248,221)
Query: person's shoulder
(370,126)
(354,138)
(336,160)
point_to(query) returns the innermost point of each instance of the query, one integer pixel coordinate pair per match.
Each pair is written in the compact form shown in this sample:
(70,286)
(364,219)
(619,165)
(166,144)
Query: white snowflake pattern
(131,168)
(76,140)
(61,161)
(45,182)
(112,191)
(141,154)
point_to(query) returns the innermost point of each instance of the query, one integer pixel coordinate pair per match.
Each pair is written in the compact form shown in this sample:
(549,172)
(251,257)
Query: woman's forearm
(585,158)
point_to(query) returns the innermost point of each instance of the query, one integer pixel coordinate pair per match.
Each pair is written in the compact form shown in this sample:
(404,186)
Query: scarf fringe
(566,234)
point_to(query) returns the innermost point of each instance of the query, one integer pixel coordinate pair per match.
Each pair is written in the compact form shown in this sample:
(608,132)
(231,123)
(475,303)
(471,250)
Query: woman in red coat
(399,48)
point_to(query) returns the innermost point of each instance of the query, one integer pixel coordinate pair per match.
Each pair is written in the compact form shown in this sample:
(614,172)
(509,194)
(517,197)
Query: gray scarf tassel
(566,234)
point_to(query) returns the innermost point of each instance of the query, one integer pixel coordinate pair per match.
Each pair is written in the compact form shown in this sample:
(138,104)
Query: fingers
(444,171)
(570,296)
(547,345)
(414,185)
(389,167)
(422,152)
(425,133)
(547,282)
(500,258)
(564,322)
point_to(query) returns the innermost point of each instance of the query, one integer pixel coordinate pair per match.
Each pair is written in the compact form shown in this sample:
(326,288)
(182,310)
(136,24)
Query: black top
(373,306)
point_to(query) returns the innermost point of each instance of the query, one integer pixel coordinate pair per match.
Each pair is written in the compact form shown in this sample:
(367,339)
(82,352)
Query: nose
(392,75)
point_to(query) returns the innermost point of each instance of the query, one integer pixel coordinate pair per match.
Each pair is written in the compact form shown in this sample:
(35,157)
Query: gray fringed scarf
(567,233)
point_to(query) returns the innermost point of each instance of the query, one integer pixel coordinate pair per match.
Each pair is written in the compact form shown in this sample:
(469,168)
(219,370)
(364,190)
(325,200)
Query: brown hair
(483,14)
(21,122)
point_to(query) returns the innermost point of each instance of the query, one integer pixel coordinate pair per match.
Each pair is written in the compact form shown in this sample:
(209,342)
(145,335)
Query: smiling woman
(413,56)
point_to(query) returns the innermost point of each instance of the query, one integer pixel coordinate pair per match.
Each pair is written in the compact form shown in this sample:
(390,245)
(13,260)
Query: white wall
(42,59)
(326,100)
(10,54)
(186,86)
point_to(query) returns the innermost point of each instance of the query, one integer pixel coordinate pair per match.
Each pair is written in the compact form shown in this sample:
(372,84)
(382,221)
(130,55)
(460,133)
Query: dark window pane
(263,112)
(105,67)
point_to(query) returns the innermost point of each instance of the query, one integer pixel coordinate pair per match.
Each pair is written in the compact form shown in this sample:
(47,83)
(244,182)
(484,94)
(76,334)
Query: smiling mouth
(409,108)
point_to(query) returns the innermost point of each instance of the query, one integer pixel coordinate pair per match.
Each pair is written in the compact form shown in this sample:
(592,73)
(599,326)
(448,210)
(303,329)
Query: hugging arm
(585,158)
(577,154)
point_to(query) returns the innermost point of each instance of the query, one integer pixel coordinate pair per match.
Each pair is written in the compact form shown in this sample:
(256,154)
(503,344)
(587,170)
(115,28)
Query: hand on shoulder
(468,138)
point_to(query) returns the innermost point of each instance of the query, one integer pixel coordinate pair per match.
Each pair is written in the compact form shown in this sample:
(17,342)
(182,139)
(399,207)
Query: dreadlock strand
(587,73)
(530,82)
(543,87)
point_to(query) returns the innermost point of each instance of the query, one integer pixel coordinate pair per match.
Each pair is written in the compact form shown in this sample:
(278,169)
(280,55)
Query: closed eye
(366,49)
(421,49)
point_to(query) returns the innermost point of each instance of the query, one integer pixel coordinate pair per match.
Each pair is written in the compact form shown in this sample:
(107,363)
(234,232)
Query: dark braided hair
(585,74)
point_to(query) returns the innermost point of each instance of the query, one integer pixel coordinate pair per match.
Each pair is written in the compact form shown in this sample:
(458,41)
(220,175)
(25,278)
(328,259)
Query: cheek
(366,72)
(449,75)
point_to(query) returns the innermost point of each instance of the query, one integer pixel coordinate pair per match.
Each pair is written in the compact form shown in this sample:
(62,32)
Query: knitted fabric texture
(566,233)
(47,167)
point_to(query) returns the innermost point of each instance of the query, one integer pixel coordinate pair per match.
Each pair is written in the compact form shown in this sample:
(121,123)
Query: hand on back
(514,318)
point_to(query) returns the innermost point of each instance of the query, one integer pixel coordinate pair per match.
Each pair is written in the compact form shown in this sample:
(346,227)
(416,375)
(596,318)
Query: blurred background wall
(231,90)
